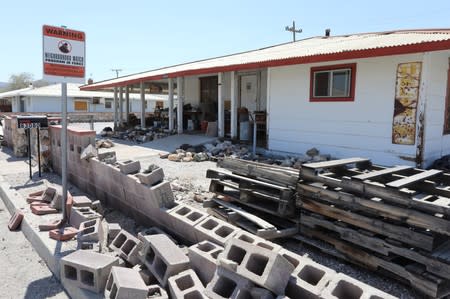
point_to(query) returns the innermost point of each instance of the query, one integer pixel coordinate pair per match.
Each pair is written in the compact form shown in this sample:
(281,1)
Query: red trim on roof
(385,51)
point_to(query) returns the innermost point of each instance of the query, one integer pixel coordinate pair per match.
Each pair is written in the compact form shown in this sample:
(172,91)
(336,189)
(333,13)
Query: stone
(312,152)
(88,152)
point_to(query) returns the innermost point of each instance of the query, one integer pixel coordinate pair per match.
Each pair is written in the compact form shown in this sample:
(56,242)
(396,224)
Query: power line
(293,30)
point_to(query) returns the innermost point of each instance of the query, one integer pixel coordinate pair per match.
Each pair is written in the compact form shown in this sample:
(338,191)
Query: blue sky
(141,35)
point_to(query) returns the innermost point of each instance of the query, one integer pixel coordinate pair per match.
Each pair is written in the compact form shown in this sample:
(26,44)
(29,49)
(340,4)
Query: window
(108,103)
(80,105)
(95,100)
(333,83)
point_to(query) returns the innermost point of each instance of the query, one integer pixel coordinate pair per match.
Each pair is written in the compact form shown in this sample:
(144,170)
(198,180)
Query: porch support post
(233,106)
(221,107)
(127,102)
(171,116)
(115,108)
(180,95)
(142,105)
(121,106)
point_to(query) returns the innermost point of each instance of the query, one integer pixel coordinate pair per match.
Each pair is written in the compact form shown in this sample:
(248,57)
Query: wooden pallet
(374,207)
(423,190)
(274,174)
(414,274)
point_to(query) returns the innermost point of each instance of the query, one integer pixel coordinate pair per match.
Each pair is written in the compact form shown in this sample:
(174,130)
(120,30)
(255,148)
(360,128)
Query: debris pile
(137,134)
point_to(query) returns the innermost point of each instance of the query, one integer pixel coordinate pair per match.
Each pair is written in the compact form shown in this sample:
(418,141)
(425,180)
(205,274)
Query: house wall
(436,143)
(343,129)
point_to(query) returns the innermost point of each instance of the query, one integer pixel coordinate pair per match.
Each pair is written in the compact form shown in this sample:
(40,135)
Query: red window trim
(350,98)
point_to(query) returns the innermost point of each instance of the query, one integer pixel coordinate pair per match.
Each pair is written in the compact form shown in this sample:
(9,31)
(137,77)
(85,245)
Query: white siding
(436,144)
(342,129)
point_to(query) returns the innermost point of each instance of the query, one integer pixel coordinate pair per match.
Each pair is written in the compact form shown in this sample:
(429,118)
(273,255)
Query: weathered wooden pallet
(269,173)
(255,199)
(414,274)
(248,221)
(424,190)
(375,207)
(436,262)
(418,239)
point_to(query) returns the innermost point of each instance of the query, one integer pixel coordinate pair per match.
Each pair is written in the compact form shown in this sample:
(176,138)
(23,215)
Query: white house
(379,95)
(48,99)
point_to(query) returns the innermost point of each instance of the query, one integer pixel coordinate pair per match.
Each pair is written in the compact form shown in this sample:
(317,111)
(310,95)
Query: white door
(249,92)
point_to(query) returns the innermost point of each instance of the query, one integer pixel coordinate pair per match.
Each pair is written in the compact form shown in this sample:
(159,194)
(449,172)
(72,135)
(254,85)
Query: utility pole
(293,30)
(117,71)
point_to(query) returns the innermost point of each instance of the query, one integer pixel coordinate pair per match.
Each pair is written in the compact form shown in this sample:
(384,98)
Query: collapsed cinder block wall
(15,138)
(146,204)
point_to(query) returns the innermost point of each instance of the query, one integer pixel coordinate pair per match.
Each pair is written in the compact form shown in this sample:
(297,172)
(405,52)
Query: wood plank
(414,178)
(378,208)
(425,282)
(378,173)
(405,235)
(376,244)
(334,163)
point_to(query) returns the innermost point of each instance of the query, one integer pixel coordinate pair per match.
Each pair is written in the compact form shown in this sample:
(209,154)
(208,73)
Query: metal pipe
(64,150)
(39,151)
(29,151)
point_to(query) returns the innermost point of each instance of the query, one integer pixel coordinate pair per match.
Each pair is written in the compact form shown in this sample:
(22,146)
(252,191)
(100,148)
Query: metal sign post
(64,60)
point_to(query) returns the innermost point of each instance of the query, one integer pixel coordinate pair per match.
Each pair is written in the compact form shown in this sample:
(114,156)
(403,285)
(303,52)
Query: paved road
(23,273)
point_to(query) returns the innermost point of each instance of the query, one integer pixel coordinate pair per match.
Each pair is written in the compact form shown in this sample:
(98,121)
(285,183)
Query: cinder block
(87,245)
(258,241)
(308,280)
(154,197)
(127,246)
(107,157)
(79,215)
(156,292)
(154,230)
(293,258)
(15,220)
(153,175)
(203,259)
(146,275)
(87,270)
(215,230)
(163,257)
(186,285)
(124,283)
(91,231)
(262,266)
(129,166)
(113,230)
(82,201)
(345,287)
(227,284)
(184,219)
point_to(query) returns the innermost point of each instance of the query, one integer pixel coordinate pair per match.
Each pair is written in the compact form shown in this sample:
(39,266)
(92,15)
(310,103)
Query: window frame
(109,101)
(331,68)
(84,101)
(446,130)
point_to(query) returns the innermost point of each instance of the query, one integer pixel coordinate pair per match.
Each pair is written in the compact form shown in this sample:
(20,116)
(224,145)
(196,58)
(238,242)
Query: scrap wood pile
(392,220)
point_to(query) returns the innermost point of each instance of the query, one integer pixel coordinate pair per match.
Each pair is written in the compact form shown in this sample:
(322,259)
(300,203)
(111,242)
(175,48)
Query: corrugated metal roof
(302,51)
(73,90)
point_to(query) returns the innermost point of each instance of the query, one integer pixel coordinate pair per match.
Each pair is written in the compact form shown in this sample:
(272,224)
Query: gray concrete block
(308,280)
(82,201)
(146,275)
(215,230)
(124,283)
(129,166)
(203,259)
(87,270)
(163,257)
(79,215)
(154,197)
(155,176)
(150,231)
(87,245)
(184,218)
(262,266)
(295,259)
(227,284)
(127,246)
(345,287)
(156,292)
(258,241)
(91,231)
(186,285)
(107,157)
(113,230)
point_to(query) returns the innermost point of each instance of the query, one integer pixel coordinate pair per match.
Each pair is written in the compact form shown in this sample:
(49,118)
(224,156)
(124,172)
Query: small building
(381,95)
(47,99)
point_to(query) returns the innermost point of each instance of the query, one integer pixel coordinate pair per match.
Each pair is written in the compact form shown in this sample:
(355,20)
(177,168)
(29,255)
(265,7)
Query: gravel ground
(23,273)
